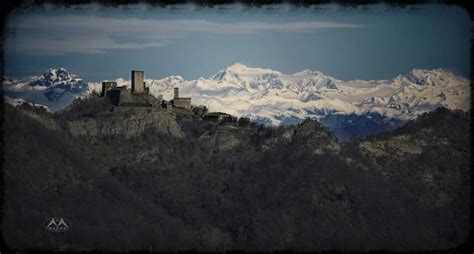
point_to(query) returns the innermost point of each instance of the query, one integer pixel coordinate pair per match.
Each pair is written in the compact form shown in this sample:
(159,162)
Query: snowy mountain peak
(435,77)
(55,77)
(57,86)
(237,67)
(240,72)
(309,72)
(243,69)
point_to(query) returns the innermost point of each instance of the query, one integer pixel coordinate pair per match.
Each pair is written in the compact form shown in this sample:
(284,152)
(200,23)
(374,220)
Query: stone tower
(138,85)
(181,102)
(176,93)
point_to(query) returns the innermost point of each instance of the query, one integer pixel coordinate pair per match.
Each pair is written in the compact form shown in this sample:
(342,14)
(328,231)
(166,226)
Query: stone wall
(182,103)
(106,85)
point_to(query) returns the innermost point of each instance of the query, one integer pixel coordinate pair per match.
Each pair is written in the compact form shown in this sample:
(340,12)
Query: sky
(368,42)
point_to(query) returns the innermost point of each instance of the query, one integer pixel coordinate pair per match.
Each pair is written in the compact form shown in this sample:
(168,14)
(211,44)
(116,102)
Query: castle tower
(138,85)
(181,102)
(176,93)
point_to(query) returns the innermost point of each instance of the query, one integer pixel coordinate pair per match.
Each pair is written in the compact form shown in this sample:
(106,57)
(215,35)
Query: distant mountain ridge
(272,97)
(55,89)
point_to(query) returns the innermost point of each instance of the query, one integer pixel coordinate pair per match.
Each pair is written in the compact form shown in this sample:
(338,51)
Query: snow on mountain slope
(55,89)
(273,97)
(18,101)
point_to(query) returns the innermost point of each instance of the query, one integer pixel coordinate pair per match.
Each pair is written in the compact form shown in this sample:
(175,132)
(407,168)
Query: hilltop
(135,177)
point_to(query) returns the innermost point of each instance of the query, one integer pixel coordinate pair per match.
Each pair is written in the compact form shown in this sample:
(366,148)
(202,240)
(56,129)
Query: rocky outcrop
(127,123)
(223,139)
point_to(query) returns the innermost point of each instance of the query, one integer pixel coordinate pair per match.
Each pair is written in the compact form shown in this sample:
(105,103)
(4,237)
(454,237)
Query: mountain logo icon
(57,224)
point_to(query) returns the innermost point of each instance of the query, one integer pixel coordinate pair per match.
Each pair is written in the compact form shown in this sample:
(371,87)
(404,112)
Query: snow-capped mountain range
(272,97)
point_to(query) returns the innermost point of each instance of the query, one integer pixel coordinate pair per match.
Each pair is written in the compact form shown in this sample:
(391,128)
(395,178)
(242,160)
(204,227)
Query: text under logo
(57,224)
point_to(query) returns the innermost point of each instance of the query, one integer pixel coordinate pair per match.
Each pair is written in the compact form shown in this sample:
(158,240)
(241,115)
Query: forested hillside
(128,179)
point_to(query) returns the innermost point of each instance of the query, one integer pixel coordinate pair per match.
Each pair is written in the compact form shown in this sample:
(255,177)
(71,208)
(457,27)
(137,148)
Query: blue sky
(370,42)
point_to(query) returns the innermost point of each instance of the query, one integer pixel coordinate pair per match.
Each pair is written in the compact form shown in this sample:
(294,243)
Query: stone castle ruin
(139,94)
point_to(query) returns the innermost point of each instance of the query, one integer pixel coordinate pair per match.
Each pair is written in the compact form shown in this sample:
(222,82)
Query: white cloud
(92,34)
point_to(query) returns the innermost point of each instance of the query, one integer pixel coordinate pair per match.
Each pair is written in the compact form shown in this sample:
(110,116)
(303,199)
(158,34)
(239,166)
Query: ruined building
(216,116)
(181,102)
(137,96)
(177,102)
(107,85)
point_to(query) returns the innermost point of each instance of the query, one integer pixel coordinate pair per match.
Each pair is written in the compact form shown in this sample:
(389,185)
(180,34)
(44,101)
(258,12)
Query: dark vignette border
(6,6)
